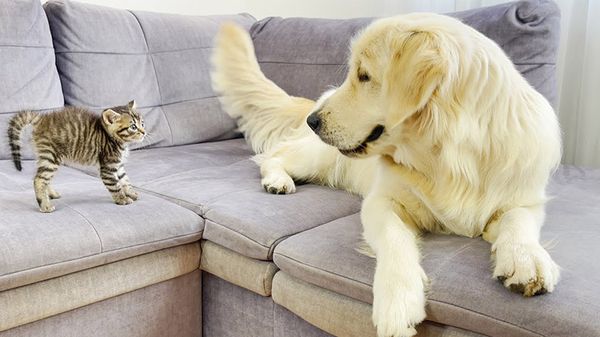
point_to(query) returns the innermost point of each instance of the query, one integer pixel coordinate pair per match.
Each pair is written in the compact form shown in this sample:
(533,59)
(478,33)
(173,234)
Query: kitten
(78,135)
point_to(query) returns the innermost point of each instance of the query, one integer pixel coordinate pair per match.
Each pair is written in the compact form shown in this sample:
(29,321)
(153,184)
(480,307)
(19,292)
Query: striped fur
(77,135)
(15,126)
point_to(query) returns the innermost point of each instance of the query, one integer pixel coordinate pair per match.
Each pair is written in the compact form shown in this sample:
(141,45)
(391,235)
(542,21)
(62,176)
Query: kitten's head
(124,123)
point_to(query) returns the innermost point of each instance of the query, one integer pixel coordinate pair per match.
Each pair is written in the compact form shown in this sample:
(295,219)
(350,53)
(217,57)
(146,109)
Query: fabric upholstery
(334,313)
(28,72)
(254,275)
(169,308)
(338,314)
(108,56)
(528,32)
(232,311)
(288,324)
(219,181)
(463,293)
(148,168)
(87,229)
(54,296)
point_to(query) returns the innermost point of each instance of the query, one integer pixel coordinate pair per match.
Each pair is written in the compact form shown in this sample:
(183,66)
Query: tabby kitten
(79,136)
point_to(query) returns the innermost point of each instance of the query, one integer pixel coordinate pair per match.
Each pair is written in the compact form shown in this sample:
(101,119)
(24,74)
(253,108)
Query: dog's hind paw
(279,184)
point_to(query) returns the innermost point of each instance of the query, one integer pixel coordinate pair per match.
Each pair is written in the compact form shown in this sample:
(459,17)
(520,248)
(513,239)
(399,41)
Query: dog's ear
(416,70)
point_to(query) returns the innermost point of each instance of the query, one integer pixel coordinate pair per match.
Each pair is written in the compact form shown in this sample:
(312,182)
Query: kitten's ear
(131,105)
(110,116)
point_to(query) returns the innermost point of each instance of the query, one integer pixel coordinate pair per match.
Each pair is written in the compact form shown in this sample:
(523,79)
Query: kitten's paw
(122,200)
(132,194)
(53,194)
(47,208)
(398,304)
(525,268)
(279,184)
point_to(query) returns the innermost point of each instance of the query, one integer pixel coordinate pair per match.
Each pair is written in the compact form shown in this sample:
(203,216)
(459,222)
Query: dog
(434,127)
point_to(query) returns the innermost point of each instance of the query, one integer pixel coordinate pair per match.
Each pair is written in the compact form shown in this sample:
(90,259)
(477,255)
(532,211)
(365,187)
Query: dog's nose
(314,122)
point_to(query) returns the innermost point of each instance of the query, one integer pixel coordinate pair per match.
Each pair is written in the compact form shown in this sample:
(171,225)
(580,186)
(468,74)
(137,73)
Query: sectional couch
(205,251)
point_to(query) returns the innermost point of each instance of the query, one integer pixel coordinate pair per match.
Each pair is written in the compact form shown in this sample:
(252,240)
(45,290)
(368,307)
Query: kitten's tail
(264,112)
(15,126)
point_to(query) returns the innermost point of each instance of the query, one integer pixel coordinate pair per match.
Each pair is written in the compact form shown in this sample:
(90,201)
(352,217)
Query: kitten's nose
(314,121)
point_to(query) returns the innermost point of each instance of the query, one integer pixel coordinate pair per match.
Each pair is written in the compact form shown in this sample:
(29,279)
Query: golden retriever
(437,130)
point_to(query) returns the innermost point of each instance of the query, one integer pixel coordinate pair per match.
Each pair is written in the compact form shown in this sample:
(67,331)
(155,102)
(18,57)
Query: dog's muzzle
(373,136)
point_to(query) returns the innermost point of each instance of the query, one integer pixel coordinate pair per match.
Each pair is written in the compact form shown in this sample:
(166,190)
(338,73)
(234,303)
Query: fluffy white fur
(467,148)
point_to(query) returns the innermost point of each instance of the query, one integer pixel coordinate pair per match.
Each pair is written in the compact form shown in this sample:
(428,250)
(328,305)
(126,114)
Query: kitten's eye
(364,77)
(133,127)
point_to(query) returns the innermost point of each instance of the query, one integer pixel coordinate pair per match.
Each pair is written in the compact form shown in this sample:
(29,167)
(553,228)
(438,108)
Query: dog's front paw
(526,268)
(398,305)
(279,184)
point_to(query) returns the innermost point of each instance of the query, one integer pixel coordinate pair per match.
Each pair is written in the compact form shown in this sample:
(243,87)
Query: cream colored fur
(468,147)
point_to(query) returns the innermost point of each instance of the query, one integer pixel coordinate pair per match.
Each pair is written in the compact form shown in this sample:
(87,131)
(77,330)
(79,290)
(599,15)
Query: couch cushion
(57,295)
(306,56)
(87,229)
(252,274)
(28,71)
(340,315)
(219,181)
(108,56)
(463,293)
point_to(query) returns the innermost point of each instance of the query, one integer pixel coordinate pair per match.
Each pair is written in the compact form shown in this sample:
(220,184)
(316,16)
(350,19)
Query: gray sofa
(206,251)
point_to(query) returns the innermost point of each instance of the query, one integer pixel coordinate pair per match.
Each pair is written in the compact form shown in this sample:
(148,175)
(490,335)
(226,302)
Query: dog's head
(397,67)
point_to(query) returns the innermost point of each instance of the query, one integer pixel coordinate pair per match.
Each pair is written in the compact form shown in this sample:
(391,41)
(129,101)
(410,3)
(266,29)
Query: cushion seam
(25,46)
(229,229)
(130,53)
(484,315)
(164,104)
(278,241)
(108,251)
(44,109)
(323,270)
(89,223)
(171,199)
(155,72)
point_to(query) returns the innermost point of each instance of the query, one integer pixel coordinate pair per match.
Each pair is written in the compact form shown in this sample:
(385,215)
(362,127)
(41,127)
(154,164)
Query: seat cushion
(87,229)
(107,57)
(50,297)
(341,315)
(220,182)
(463,293)
(28,71)
(291,50)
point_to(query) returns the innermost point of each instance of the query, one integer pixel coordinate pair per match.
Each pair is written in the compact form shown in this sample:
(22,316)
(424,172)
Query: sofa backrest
(307,56)
(28,76)
(108,56)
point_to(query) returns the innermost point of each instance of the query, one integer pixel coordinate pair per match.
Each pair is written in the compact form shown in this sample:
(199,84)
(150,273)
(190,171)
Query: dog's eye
(364,77)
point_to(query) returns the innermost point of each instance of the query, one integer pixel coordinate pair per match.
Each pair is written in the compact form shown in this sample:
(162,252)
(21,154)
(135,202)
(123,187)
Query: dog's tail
(15,126)
(264,112)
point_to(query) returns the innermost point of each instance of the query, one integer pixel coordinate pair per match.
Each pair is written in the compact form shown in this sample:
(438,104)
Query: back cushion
(107,56)
(28,76)
(306,56)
